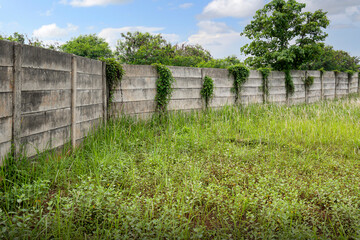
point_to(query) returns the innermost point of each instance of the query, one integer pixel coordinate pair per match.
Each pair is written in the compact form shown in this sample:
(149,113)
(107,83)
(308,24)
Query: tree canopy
(143,48)
(90,46)
(330,60)
(284,37)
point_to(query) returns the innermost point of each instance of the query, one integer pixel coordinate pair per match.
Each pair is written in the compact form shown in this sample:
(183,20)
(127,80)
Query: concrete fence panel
(6,97)
(49,98)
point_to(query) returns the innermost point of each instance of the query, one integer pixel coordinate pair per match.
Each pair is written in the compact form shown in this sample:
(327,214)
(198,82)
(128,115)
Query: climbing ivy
(265,72)
(163,87)
(207,91)
(114,75)
(289,84)
(240,73)
(308,82)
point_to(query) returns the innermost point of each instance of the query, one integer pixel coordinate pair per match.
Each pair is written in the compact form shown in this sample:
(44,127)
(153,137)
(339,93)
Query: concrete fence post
(17,82)
(306,88)
(105,94)
(322,85)
(73,100)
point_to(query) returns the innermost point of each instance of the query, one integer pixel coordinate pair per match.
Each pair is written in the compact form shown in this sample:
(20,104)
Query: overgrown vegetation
(114,75)
(256,172)
(330,59)
(289,84)
(240,73)
(164,87)
(207,91)
(308,82)
(265,72)
(90,46)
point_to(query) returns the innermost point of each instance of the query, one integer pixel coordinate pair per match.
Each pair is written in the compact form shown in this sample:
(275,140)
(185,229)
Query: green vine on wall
(308,82)
(265,72)
(240,73)
(163,87)
(207,91)
(289,84)
(114,75)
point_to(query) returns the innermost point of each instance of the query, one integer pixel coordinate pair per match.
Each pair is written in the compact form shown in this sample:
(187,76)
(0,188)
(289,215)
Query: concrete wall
(6,97)
(48,98)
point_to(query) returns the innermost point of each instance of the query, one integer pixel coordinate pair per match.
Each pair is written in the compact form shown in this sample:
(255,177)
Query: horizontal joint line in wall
(47,110)
(47,69)
(49,130)
(90,120)
(86,105)
(7,141)
(47,90)
(90,74)
(152,100)
(96,104)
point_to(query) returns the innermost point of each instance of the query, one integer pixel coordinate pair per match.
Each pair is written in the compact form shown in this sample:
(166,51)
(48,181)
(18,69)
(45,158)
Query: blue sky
(215,24)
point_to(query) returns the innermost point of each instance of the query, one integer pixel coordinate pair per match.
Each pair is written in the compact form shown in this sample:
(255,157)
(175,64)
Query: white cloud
(331,6)
(341,13)
(218,38)
(186,5)
(112,35)
(231,8)
(52,31)
(91,3)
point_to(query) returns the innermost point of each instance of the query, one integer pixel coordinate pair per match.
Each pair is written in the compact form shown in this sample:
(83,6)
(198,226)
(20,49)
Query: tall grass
(255,172)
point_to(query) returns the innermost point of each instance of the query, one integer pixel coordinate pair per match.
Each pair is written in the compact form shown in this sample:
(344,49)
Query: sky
(214,24)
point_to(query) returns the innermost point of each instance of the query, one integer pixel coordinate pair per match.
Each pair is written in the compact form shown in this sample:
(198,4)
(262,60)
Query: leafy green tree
(23,39)
(189,55)
(144,49)
(220,63)
(90,46)
(331,60)
(284,37)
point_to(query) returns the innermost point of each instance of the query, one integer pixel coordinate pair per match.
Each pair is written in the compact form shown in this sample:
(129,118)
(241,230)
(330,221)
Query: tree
(90,46)
(220,63)
(283,36)
(144,49)
(189,55)
(23,39)
(331,60)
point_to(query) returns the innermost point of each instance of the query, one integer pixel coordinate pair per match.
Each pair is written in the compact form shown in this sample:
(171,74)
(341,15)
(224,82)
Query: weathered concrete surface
(329,82)
(354,81)
(34,57)
(42,79)
(45,140)
(35,123)
(89,66)
(5,129)
(342,85)
(6,97)
(299,95)
(88,82)
(314,92)
(36,101)
(6,54)
(84,128)
(277,91)
(6,102)
(6,75)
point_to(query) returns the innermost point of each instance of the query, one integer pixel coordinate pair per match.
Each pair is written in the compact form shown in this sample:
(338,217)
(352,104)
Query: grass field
(256,172)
